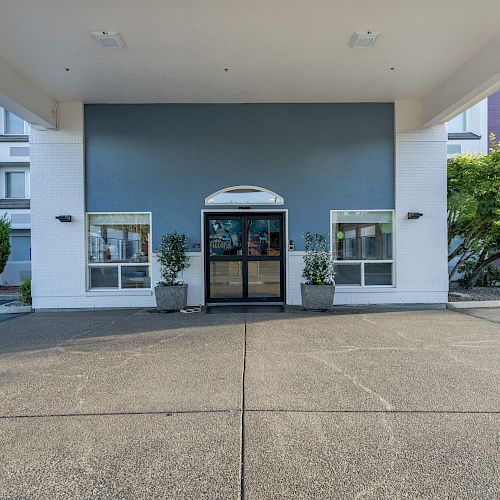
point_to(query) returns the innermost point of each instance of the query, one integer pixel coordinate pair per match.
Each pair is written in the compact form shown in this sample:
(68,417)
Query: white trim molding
(224,195)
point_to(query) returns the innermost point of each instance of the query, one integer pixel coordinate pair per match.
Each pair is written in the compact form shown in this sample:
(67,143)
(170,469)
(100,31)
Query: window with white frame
(15,185)
(362,247)
(119,250)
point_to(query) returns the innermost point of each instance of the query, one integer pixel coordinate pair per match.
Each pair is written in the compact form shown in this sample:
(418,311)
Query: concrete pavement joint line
(416,412)
(248,410)
(167,413)
(242,458)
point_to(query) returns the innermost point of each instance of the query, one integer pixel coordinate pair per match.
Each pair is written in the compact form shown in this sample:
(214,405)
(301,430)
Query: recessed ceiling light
(363,39)
(109,39)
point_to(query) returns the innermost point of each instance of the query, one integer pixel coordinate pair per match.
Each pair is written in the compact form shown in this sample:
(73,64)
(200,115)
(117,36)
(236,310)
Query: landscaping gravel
(458,294)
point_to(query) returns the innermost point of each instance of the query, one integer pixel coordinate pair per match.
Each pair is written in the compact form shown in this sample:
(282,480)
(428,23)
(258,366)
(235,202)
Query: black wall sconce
(414,215)
(63,218)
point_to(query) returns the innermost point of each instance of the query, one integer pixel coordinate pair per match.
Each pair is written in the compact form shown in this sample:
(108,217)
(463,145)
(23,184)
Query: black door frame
(245,215)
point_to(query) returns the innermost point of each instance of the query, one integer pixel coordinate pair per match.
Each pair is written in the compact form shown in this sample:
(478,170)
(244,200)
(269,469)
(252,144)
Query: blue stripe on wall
(166,158)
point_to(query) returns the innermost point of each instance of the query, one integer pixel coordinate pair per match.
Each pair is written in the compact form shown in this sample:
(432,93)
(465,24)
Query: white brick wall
(421,245)
(58,249)
(57,176)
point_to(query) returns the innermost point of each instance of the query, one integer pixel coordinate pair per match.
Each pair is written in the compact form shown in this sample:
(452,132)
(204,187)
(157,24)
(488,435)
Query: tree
(474,210)
(4,242)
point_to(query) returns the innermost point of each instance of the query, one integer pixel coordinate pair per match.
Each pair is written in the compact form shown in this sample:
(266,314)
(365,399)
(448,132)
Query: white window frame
(362,262)
(15,171)
(278,200)
(118,264)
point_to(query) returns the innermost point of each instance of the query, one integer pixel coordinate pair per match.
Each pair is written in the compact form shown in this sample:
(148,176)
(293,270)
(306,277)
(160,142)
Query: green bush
(25,291)
(172,258)
(4,242)
(488,276)
(318,263)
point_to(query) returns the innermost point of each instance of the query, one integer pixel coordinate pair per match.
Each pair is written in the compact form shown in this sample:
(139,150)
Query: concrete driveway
(133,404)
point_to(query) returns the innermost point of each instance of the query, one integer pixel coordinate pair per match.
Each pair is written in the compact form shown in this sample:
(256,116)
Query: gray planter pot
(171,298)
(317,297)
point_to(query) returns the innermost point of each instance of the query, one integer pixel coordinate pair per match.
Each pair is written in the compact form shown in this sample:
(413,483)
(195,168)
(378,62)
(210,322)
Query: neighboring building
(469,132)
(15,195)
(494,115)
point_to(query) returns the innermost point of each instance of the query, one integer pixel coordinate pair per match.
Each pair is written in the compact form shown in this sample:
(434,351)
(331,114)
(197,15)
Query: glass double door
(244,257)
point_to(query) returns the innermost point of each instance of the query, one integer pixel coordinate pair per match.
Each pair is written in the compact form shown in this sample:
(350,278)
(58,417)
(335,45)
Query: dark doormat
(243,309)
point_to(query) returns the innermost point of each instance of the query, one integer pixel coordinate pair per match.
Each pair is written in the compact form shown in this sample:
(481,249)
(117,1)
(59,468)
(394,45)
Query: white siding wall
(476,122)
(59,268)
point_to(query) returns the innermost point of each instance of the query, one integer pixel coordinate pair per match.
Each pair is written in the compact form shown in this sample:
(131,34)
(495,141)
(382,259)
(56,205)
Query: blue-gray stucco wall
(166,158)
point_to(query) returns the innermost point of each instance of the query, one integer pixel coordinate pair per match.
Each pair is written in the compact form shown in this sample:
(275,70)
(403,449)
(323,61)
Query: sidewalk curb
(473,304)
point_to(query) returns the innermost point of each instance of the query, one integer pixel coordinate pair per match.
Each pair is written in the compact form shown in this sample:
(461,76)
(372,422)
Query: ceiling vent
(109,39)
(363,39)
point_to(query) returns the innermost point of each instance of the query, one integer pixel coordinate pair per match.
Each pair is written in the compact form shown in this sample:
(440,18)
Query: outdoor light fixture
(363,39)
(63,218)
(415,215)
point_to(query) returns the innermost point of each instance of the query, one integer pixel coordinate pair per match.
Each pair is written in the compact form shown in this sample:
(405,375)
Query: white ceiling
(276,50)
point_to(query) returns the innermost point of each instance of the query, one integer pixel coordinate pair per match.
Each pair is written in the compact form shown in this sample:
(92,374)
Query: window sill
(107,292)
(14,138)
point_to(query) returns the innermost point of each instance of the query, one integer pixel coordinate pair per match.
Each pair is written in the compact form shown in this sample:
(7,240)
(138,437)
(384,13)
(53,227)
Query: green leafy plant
(25,291)
(4,242)
(474,211)
(489,275)
(318,262)
(172,258)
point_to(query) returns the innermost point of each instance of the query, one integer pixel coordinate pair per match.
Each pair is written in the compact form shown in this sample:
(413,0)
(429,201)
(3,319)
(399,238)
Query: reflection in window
(225,236)
(119,238)
(348,274)
(264,237)
(226,280)
(15,185)
(135,277)
(363,237)
(119,250)
(244,195)
(264,278)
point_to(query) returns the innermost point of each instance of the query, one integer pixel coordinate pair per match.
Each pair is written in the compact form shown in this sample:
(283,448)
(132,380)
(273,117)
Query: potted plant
(319,287)
(171,294)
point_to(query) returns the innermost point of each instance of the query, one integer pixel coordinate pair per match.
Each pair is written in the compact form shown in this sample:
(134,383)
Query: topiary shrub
(4,242)
(318,263)
(172,258)
(25,291)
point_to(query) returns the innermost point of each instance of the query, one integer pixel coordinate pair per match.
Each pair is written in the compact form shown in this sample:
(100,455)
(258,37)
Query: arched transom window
(244,195)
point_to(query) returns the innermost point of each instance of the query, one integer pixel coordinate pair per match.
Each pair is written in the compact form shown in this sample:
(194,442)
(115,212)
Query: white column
(57,188)
(420,181)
